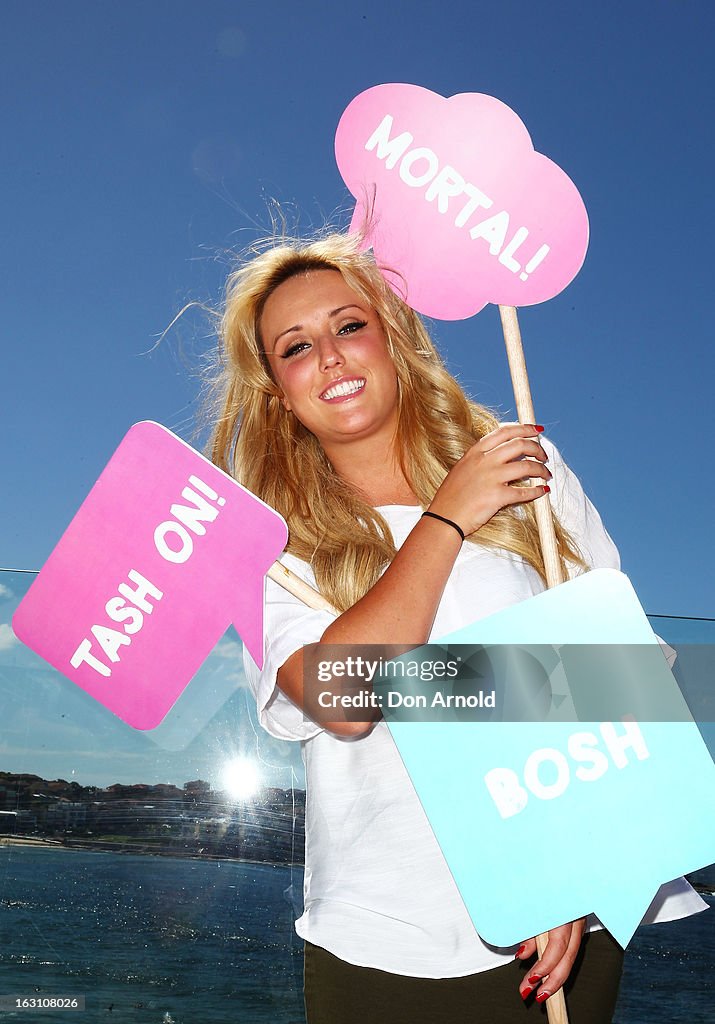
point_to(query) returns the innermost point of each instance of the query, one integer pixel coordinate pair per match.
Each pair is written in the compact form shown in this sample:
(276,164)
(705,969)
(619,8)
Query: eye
(354,325)
(295,348)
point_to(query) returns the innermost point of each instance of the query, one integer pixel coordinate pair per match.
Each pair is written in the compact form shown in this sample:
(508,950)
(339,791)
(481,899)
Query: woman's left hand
(552,969)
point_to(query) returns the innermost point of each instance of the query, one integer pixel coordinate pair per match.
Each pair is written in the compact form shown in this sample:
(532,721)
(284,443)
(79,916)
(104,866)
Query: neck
(373,471)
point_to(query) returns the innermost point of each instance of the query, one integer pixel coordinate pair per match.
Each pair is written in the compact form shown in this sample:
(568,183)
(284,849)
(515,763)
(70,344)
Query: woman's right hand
(477,486)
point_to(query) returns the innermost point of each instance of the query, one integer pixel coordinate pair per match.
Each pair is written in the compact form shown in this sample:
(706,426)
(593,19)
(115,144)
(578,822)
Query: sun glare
(240,778)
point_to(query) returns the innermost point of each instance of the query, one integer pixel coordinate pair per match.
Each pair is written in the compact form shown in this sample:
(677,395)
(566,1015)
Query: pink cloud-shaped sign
(460,209)
(164,554)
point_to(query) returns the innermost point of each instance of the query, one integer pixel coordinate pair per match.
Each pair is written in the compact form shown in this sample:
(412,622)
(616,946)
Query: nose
(329,353)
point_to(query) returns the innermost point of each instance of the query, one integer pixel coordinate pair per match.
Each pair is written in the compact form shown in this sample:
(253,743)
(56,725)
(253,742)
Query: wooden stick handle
(556,1011)
(299,588)
(525,410)
(555,574)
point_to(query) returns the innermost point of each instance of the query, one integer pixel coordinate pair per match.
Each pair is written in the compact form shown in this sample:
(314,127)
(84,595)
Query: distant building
(17,822)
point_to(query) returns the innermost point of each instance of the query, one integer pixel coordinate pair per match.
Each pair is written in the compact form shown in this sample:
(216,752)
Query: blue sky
(143,143)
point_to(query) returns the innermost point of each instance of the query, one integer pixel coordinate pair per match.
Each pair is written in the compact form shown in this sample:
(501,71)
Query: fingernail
(526,994)
(520,950)
(542,996)
(537,426)
(534,978)
(547,489)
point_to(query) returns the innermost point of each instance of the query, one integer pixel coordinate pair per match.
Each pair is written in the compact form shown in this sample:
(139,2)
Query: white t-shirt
(378,892)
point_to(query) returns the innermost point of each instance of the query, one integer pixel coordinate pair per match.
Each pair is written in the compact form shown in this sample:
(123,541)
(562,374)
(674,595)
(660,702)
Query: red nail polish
(525,995)
(547,489)
(520,950)
(542,996)
(537,426)
(533,979)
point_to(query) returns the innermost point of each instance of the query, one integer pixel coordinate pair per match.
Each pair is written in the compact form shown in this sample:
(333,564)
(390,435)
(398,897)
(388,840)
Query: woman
(338,412)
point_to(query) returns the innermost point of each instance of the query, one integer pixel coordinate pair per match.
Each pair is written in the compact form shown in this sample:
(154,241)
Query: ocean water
(149,939)
(157,940)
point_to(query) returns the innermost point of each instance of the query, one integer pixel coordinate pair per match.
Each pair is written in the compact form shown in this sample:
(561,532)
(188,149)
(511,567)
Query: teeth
(347,387)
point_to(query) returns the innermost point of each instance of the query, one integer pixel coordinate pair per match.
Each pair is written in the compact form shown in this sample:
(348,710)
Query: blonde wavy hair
(346,541)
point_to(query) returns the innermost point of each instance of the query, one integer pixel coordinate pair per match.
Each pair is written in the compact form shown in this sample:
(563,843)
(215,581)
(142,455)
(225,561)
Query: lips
(344,388)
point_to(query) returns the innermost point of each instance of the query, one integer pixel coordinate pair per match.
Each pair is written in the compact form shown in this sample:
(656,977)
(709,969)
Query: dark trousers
(339,993)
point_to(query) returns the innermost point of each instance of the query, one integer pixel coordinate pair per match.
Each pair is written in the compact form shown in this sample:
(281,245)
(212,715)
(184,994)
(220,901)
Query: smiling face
(328,355)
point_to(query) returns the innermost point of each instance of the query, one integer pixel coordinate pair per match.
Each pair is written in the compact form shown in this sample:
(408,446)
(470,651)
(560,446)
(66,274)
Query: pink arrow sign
(460,208)
(165,552)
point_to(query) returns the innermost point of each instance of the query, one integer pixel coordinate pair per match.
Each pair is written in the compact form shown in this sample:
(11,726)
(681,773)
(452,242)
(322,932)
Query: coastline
(139,849)
(28,841)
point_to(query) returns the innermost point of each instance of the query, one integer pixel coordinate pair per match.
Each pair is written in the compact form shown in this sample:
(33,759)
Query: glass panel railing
(157,875)
(154,874)
(694,667)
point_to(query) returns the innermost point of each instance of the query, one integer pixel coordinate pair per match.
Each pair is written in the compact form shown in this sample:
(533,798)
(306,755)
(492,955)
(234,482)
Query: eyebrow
(299,327)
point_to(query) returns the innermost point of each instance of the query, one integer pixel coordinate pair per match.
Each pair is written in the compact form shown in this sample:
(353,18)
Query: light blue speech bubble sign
(545,822)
